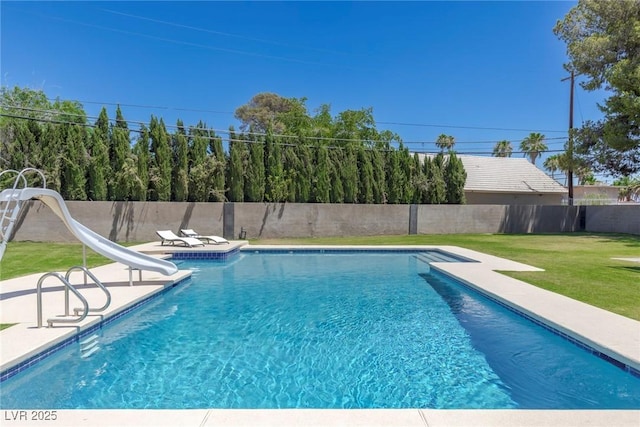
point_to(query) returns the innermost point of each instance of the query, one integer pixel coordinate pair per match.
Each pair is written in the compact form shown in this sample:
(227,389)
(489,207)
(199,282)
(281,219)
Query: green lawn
(578,265)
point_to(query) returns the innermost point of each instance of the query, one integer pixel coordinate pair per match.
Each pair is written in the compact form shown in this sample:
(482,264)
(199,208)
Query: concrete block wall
(275,220)
(120,221)
(613,219)
(138,221)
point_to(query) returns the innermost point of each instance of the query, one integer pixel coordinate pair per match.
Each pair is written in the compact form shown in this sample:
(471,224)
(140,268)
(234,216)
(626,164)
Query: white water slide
(14,199)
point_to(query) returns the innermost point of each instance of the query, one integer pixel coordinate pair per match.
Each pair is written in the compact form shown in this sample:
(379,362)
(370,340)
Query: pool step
(89,346)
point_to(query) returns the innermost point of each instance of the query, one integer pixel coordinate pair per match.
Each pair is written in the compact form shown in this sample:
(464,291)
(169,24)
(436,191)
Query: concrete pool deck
(611,334)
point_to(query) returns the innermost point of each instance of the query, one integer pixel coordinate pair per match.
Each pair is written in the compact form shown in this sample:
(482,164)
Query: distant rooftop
(506,174)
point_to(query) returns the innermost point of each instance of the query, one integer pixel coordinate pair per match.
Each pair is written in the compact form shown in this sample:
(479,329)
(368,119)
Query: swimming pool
(323,330)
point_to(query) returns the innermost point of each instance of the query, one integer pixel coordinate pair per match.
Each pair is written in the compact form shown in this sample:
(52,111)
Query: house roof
(506,175)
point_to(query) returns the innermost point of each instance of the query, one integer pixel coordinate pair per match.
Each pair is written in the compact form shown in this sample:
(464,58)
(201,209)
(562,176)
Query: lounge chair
(216,240)
(170,238)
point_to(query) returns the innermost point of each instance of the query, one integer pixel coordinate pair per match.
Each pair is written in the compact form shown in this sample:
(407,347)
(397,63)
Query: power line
(229,139)
(471,127)
(161,107)
(263,134)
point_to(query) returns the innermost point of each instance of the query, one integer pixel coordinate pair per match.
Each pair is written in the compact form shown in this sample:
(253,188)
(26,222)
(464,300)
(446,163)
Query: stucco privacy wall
(119,221)
(445,219)
(314,220)
(618,219)
(138,221)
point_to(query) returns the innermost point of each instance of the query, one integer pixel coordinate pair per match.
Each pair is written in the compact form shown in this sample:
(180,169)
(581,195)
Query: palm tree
(502,149)
(445,142)
(552,164)
(533,145)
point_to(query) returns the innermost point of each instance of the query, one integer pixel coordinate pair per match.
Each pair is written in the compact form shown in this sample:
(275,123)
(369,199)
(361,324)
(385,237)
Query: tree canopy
(603,45)
(320,158)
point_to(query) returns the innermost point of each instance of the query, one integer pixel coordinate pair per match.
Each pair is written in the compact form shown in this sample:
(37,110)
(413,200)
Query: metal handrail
(67,286)
(95,280)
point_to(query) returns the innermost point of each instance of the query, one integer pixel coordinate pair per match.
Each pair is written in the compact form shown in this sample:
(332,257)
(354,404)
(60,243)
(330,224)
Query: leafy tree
(502,149)
(603,45)
(262,112)
(533,145)
(322,122)
(180,155)
(352,126)
(455,178)
(445,142)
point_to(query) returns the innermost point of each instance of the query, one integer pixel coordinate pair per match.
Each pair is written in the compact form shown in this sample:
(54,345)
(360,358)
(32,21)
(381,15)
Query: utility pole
(570,143)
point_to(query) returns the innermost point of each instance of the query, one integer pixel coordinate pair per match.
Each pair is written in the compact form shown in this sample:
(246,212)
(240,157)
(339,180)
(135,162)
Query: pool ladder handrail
(14,204)
(97,282)
(69,287)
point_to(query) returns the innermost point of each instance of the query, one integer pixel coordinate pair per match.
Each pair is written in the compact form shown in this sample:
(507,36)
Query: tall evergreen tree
(236,167)
(99,168)
(52,156)
(255,179)
(394,177)
(436,191)
(180,163)
(217,167)
(350,174)
(336,193)
(73,174)
(379,176)
(160,173)
(407,172)
(419,181)
(119,150)
(198,167)
(277,185)
(455,178)
(322,184)
(365,181)
(423,186)
(292,167)
(305,176)
(142,156)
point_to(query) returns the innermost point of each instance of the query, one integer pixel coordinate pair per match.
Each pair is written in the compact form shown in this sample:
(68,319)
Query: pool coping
(481,275)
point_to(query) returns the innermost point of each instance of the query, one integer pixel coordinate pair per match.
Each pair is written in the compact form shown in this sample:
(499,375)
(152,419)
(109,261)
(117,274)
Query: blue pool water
(323,331)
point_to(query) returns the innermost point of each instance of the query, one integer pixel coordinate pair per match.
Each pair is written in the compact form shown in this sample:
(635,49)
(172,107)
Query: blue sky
(480,71)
